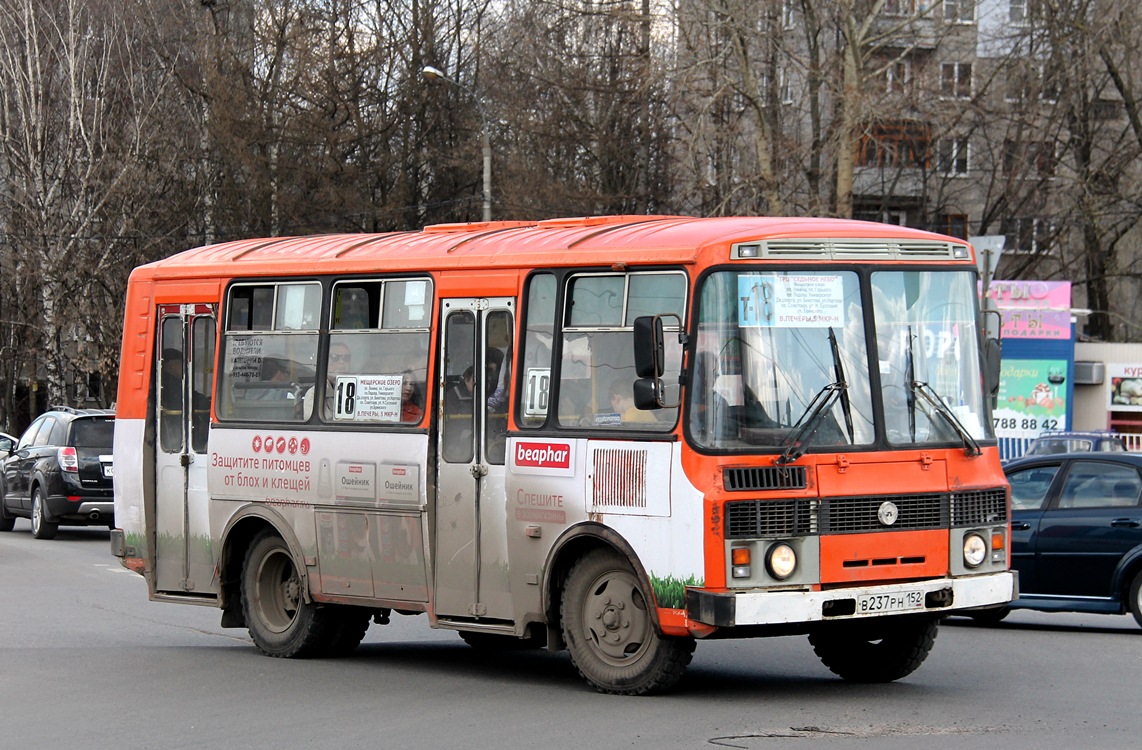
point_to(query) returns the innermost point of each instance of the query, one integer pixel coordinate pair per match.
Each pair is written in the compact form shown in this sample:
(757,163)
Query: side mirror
(650,360)
(992,352)
(649,349)
(648,393)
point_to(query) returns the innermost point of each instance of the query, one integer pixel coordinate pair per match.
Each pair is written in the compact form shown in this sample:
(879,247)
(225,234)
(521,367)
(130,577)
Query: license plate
(896,602)
(108,470)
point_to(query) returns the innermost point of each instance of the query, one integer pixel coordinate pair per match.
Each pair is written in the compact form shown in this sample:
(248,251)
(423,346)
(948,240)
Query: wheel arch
(1129,567)
(241,530)
(574,544)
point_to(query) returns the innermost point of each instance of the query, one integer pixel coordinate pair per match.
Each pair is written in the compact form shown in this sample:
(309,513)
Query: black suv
(60,472)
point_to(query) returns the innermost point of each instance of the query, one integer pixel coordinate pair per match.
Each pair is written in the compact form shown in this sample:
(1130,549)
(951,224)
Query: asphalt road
(86,662)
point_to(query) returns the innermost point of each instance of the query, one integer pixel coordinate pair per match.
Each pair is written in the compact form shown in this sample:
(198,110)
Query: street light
(431,73)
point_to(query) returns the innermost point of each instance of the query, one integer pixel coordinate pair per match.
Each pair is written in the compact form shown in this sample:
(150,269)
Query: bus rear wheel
(610,632)
(281,622)
(875,651)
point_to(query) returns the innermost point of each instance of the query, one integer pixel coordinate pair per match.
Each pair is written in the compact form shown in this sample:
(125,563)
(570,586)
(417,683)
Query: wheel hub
(618,624)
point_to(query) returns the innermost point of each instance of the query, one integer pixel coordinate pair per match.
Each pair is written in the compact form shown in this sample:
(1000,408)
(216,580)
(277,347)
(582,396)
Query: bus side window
(535,359)
(269,352)
(377,367)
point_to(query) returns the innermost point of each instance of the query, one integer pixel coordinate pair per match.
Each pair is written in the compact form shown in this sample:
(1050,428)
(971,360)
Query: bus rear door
(184,561)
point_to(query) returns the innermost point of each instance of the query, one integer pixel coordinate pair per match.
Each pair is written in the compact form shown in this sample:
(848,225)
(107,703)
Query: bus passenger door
(184,561)
(471,561)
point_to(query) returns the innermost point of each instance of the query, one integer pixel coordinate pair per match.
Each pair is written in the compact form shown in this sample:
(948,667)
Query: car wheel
(1136,597)
(6,521)
(875,651)
(280,620)
(42,528)
(610,631)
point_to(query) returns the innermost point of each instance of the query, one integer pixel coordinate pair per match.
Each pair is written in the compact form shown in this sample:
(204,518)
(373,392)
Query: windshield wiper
(910,396)
(807,425)
(930,397)
(839,374)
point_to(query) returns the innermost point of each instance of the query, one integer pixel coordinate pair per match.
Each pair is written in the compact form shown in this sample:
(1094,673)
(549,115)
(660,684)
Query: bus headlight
(975,550)
(781,561)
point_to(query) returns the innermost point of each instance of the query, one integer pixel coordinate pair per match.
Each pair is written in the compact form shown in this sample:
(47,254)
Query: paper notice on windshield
(791,300)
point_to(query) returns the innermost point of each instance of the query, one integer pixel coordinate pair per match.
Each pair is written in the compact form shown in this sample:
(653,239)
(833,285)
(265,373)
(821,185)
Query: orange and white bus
(615,435)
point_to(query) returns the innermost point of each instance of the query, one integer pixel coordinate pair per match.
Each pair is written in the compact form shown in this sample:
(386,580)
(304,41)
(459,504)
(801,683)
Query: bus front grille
(979,507)
(840,515)
(751,519)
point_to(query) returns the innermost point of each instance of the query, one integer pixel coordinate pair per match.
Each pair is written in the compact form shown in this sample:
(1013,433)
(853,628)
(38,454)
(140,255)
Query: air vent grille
(979,507)
(840,515)
(840,249)
(754,519)
(759,478)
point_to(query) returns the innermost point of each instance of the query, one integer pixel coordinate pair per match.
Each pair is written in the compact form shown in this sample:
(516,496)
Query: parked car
(1076,534)
(7,442)
(60,471)
(1075,442)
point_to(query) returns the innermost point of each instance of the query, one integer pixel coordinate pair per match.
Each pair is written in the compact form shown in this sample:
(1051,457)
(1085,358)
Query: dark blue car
(1076,533)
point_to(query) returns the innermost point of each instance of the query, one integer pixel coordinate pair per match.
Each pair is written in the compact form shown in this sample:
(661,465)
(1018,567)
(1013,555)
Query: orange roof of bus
(507,244)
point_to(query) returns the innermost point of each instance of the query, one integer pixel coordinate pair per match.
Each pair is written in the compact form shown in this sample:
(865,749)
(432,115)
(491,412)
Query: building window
(896,217)
(955,80)
(1020,12)
(1029,158)
(1025,235)
(788,13)
(899,7)
(786,88)
(953,156)
(902,143)
(953,225)
(1027,80)
(959,11)
(899,76)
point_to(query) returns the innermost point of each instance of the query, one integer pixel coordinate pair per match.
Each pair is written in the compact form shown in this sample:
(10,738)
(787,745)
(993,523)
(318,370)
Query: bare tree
(77,105)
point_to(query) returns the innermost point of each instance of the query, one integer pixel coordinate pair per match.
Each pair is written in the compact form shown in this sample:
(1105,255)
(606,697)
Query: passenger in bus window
(411,404)
(622,402)
(340,363)
(275,373)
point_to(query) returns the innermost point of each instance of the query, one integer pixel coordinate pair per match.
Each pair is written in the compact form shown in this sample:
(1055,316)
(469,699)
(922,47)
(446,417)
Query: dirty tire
(42,528)
(610,631)
(876,651)
(1136,597)
(279,619)
(349,631)
(989,616)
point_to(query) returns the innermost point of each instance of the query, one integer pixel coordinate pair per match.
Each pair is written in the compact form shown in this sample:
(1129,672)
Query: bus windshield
(926,336)
(783,361)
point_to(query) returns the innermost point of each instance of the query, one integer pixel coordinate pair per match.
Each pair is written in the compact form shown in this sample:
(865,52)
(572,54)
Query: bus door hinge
(842,463)
(477,609)
(479,470)
(925,461)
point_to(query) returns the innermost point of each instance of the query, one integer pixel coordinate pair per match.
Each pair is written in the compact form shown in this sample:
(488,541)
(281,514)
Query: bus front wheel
(875,650)
(281,622)
(610,632)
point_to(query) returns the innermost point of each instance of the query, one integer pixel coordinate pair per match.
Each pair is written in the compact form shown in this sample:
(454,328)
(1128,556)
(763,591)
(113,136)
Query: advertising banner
(1033,309)
(1032,397)
(1125,387)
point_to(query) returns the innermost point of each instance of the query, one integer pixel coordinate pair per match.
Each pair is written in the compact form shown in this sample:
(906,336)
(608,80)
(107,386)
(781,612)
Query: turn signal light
(740,558)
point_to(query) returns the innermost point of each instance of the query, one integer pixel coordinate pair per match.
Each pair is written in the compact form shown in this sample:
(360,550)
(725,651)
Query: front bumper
(726,609)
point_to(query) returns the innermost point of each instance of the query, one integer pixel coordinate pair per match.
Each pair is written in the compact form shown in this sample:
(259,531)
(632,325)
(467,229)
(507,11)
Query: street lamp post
(431,73)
